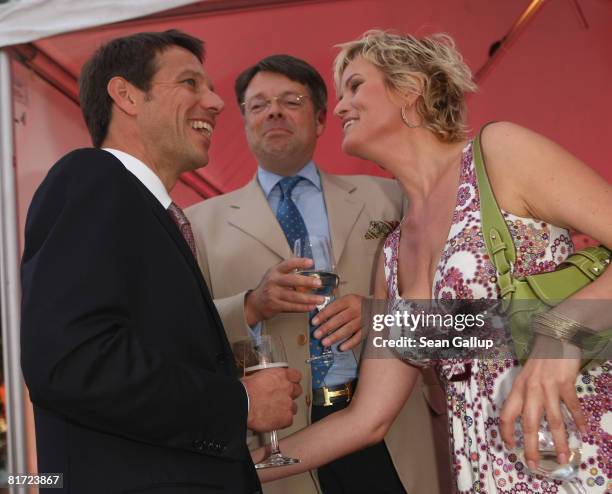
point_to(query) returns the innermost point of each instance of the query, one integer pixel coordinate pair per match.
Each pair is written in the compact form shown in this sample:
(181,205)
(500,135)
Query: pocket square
(380,229)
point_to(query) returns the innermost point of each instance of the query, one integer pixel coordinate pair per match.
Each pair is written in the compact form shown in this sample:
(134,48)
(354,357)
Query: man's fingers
(352,342)
(337,306)
(324,317)
(289,307)
(284,300)
(299,282)
(349,304)
(333,324)
(272,393)
(293,297)
(293,375)
(342,333)
(296,391)
(294,263)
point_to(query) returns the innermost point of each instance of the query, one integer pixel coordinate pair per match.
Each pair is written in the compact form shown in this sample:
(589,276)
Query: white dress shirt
(144,174)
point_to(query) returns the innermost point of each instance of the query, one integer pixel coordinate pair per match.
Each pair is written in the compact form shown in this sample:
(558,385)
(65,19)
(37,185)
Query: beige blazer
(238,239)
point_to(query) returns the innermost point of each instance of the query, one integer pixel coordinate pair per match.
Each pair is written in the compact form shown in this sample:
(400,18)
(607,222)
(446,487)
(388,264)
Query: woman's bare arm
(384,387)
(549,184)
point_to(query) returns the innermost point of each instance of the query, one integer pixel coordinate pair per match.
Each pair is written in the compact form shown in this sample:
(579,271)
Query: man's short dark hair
(293,68)
(131,57)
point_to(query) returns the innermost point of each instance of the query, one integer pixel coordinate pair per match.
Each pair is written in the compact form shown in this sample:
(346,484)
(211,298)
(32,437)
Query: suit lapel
(343,209)
(253,216)
(163,216)
(168,223)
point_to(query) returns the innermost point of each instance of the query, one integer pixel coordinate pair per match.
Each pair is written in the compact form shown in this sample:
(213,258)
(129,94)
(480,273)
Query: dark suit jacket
(127,363)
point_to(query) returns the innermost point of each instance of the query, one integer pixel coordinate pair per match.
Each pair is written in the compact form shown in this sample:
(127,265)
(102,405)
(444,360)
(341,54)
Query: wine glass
(319,250)
(255,354)
(548,466)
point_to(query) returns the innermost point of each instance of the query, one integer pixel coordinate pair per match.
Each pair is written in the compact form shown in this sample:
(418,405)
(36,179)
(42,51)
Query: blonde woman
(402,106)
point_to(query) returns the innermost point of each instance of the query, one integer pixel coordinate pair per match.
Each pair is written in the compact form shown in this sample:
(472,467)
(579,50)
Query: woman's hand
(539,389)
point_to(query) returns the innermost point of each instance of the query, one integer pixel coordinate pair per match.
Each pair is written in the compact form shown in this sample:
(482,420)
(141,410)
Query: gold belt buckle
(327,394)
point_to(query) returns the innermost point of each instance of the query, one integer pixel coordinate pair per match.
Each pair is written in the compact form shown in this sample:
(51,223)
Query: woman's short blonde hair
(430,67)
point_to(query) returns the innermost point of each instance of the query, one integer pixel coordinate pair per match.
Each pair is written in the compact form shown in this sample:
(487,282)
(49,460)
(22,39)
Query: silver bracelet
(560,327)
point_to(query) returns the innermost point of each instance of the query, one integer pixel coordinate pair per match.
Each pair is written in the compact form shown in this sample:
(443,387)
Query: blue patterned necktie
(292,223)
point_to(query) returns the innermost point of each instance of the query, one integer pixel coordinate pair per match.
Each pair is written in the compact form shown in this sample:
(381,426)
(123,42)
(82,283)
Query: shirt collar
(143,173)
(268,180)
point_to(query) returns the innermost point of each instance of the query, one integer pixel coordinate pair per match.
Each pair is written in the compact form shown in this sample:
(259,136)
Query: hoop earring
(405,119)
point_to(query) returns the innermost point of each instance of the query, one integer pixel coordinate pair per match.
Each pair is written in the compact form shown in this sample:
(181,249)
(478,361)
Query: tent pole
(501,46)
(9,278)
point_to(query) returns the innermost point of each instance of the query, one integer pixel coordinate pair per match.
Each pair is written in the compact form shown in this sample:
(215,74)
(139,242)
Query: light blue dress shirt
(308,198)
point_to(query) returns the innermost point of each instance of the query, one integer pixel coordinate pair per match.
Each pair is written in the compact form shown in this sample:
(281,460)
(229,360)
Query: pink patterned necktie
(183,225)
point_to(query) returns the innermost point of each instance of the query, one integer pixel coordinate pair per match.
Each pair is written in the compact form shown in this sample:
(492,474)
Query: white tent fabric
(22,21)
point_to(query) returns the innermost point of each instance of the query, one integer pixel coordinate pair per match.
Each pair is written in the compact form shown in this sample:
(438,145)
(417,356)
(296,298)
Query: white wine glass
(319,250)
(255,354)
(548,465)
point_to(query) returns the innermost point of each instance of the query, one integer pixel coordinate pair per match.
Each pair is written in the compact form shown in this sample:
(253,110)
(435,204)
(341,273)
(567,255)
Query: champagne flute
(255,354)
(319,250)
(548,466)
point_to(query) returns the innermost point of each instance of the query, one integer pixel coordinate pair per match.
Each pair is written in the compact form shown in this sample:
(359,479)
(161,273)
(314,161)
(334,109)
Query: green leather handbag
(527,296)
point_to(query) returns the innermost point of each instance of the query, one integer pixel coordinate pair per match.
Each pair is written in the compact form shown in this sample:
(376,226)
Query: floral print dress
(475,389)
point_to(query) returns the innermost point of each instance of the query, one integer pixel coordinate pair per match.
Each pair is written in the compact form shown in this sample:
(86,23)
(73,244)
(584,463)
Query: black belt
(328,395)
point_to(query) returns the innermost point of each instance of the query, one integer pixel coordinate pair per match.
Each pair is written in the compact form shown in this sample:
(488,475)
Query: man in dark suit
(127,363)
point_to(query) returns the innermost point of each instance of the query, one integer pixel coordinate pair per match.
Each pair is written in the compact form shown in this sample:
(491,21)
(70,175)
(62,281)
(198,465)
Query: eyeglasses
(259,104)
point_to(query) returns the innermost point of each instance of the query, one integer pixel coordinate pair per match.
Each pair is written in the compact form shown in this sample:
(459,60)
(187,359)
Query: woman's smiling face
(367,107)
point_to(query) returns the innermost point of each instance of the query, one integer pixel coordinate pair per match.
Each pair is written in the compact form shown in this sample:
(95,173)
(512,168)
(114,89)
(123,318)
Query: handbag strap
(497,238)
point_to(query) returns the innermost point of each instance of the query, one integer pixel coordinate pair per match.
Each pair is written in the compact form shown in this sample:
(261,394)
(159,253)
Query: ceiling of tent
(554,76)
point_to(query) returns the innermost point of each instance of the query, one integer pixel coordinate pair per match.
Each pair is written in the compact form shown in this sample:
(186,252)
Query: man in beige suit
(247,260)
